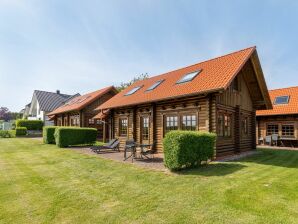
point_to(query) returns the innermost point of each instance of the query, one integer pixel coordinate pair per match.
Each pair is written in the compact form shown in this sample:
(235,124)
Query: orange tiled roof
(80,102)
(282,109)
(216,74)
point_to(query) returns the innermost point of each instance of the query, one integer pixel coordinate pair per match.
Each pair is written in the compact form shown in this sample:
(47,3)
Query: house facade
(282,119)
(220,95)
(44,102)
(80,110)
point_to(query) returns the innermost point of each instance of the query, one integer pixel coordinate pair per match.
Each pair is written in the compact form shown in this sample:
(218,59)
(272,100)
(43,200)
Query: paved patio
(276,147)
(153,163)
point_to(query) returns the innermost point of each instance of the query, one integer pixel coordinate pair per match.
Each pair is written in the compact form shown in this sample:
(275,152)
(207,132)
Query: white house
(45,102)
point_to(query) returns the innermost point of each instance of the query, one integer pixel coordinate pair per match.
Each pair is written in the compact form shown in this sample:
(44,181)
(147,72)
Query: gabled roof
(80,102)
(49,101)
(214,75)
(282,109)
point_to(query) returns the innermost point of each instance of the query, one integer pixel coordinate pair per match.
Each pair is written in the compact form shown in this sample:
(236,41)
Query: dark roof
(49,101)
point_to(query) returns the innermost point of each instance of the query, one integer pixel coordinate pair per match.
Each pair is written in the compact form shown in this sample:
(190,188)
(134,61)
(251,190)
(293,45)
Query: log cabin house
(80,110)
(282,120)
(220,95)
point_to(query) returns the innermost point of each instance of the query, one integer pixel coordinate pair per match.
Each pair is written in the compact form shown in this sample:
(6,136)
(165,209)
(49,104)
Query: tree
(124,85)
(5,114)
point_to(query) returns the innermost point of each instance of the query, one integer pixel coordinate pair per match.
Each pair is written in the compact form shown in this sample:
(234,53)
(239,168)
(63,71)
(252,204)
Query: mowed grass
(43,184)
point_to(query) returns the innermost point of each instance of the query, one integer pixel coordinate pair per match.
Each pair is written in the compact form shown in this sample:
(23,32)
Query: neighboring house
(25,111)
(219,95)
(80,110)
(282,120)
(45,102)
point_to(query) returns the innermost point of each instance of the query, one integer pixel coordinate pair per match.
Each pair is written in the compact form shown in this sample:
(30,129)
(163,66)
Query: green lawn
(43,184)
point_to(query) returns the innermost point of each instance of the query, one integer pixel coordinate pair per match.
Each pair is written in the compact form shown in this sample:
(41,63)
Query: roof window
(157,83)
(188,77)
(281,100)
(132,91)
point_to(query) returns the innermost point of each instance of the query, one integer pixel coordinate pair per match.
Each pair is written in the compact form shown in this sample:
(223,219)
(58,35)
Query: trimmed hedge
(7,134)
(183,149)
(68,136)
(48,134)
(21,131)
(30,124)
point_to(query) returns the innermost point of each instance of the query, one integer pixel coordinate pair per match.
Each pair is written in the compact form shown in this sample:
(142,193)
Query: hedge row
(21,131)
(30,124)
(7,134)
(68,136)
(183,149)
(48,134)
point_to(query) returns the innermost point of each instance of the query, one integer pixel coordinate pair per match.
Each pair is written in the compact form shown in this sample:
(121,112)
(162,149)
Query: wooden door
(145,129)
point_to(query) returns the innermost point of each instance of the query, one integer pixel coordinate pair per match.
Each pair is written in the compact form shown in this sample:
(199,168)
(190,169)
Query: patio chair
(130,146)
(112,145)
(268,140)
(148,150)
(274,139)
(261,140)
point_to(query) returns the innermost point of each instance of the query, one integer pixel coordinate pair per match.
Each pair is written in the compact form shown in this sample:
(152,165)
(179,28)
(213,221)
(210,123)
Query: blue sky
(81,46)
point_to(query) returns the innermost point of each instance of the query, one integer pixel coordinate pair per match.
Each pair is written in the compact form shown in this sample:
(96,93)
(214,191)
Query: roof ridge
(204,61)
(52,92)
(103,89)
(290,87)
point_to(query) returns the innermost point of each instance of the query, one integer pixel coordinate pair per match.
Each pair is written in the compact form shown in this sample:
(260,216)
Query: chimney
(58,91)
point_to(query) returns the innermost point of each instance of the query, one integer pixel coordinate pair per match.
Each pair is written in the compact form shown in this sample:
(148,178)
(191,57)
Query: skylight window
(155,85)
(281,100)
(188,77)
(133,91)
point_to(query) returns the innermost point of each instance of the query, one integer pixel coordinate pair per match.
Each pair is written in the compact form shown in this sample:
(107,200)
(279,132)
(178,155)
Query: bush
(30,124)
(68,136)
(7,134)
(183,149)
(21,131)
(48,134)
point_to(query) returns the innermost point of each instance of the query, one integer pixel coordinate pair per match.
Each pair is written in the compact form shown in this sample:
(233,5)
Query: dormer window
(281,100)
(132,91)
(188,77)
(155,85)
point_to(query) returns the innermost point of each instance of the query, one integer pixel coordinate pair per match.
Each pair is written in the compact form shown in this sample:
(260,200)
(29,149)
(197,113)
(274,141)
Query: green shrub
(48,134)
(183,149)
(7,134)
(21,131)
(30,124)
(68,136)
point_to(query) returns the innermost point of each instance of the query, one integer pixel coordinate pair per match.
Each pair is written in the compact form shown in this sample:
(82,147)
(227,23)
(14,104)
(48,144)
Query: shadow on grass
(214,169)
(274,157)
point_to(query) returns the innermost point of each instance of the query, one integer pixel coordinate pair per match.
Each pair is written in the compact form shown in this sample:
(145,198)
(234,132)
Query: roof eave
(163,99)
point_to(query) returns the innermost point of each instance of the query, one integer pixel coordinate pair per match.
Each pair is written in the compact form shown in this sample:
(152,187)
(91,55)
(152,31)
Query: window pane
(155,85)
(132,91)
(171,124)
(188,77)
(145,128)
(244,126)
(189,122)
(281,100)
(272,129)
(288,130)
(123,126)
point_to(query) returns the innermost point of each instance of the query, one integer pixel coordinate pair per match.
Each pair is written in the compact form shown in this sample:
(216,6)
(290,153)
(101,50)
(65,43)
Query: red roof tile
(80,102)
(282,109)
(216,74)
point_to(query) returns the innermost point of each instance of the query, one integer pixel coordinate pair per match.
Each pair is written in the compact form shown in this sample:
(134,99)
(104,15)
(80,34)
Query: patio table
(142,147)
